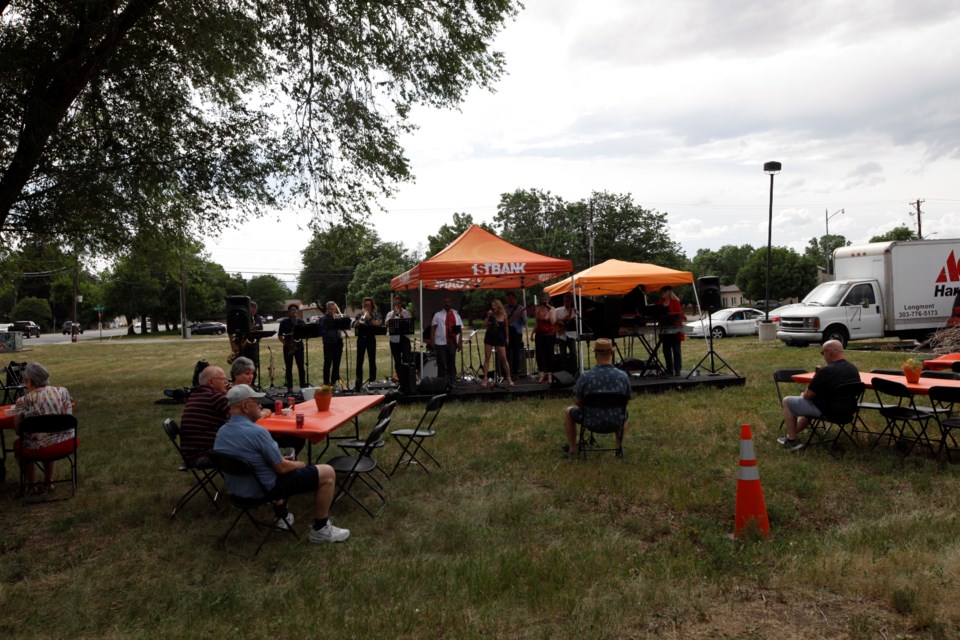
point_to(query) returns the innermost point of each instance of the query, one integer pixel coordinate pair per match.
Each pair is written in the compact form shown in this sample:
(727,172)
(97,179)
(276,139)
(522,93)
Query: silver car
(738,321)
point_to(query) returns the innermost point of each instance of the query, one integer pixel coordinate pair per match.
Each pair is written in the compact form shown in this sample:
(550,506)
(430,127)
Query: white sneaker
(285,523)
(329,533)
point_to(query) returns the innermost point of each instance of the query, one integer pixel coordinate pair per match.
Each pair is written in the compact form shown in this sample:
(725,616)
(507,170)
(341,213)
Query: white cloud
(680,103)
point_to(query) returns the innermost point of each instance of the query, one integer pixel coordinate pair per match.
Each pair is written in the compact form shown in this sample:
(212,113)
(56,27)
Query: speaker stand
(713,355)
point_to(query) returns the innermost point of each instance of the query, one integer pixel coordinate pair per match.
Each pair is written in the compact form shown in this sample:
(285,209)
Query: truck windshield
(827,294)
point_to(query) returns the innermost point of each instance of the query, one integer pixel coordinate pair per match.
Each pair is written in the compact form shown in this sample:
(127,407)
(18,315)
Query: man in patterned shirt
(603,378)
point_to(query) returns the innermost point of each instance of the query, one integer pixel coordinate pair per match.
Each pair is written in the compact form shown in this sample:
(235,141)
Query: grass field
(509,540)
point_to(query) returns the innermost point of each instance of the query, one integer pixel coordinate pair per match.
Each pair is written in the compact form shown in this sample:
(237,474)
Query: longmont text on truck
(903,289)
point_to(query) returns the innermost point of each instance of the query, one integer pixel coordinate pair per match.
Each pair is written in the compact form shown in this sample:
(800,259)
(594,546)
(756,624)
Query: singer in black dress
(496,337)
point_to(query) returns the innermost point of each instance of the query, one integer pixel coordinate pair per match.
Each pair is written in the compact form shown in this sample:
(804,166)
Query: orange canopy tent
(617,278)
(479,259)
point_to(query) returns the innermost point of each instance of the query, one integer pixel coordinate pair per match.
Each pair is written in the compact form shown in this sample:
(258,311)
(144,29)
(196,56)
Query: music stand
(305,332)
(713,370)
(254,338)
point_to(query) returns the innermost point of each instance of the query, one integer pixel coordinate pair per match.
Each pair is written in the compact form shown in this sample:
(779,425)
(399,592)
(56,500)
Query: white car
(776,314)
(738,321)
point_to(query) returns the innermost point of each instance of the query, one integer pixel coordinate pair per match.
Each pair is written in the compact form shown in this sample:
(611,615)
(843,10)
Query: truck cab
(840,310)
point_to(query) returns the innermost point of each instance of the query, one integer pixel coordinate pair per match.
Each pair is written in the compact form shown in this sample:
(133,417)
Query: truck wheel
(837,333)
(718,333)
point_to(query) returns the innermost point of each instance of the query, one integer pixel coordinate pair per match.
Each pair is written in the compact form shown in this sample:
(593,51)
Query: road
(108,334)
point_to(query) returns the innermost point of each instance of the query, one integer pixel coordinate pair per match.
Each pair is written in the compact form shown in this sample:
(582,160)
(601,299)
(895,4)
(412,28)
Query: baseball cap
(242,392)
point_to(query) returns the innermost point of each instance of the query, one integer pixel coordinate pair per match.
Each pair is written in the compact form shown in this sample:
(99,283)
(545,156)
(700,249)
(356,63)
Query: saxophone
(236,351)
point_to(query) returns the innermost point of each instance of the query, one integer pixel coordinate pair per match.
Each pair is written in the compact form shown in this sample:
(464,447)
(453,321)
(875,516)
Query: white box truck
(903,289)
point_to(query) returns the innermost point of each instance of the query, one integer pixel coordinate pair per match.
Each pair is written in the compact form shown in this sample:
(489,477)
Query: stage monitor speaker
(562,380)
(432,386)
(238,314)
(710,293)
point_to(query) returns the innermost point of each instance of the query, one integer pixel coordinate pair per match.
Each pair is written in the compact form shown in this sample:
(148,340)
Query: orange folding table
(942,363)
(318,425)
(921,387)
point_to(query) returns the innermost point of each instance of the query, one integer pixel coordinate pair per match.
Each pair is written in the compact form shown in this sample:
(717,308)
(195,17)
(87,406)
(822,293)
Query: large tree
(724,263)
(821,250)
(109,108)
(903,232)
(448,232)
(791,275)
(269,292)
(620,228)
(330,259)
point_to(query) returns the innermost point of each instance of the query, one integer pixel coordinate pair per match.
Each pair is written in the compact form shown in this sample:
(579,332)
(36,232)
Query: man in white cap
(243,438)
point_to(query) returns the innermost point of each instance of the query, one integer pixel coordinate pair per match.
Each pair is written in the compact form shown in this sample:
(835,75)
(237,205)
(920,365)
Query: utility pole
(917,205)
(590,231)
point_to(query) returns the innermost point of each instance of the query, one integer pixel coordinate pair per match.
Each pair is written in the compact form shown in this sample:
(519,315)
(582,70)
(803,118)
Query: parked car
(208,329)
(776,314)
(28,327)
(737,321)
(69,325)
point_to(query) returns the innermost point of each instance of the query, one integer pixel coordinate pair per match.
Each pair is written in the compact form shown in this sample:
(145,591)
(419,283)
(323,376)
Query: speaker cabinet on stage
(238,314)
(710,293)
(432,386)
(562,380)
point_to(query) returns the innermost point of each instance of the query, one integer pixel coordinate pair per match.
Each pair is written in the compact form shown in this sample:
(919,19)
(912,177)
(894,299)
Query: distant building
(731,296)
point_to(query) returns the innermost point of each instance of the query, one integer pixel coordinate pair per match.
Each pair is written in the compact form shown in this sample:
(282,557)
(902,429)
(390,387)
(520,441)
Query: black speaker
(562,380)
(612,310)
(710,293)
(432,386)
(238,314)
(408,378)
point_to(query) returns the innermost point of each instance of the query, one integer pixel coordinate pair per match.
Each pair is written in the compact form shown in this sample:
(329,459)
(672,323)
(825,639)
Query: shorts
(302,480)
(576,414)
(800,406)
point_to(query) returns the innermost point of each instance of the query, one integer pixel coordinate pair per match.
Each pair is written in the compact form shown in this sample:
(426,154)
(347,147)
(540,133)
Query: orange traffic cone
(751,509)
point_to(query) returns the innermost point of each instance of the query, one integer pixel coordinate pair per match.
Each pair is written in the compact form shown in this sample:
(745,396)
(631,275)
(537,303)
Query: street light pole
(826,217)
(772,169)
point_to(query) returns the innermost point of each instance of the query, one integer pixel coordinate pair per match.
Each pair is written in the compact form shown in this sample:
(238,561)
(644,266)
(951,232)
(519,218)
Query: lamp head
(772,167)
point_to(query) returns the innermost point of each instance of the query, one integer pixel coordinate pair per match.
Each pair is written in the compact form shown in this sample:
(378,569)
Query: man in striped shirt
(205,412)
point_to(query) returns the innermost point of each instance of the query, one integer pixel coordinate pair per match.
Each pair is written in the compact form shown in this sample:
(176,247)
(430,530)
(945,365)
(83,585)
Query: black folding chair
(231,465)
(906,423)
(355,444)
(946,396)
(784,376)
(408,438)
(866,405)
(602,414)
(848,395)
(54,423)
(12,382)
(202,470)
(351,468)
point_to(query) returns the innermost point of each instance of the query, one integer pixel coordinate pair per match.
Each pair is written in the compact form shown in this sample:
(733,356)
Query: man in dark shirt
(820,395)
(292,349)
(603,378)
(205,412)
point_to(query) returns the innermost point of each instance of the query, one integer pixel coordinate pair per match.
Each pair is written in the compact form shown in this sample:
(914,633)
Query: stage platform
(527,387)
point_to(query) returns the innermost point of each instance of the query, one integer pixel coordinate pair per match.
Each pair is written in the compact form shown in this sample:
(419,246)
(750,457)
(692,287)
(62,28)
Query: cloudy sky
(680,103)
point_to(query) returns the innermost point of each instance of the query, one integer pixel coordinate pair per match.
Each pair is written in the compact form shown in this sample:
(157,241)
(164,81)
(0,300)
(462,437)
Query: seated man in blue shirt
(241,437)
(603,378)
